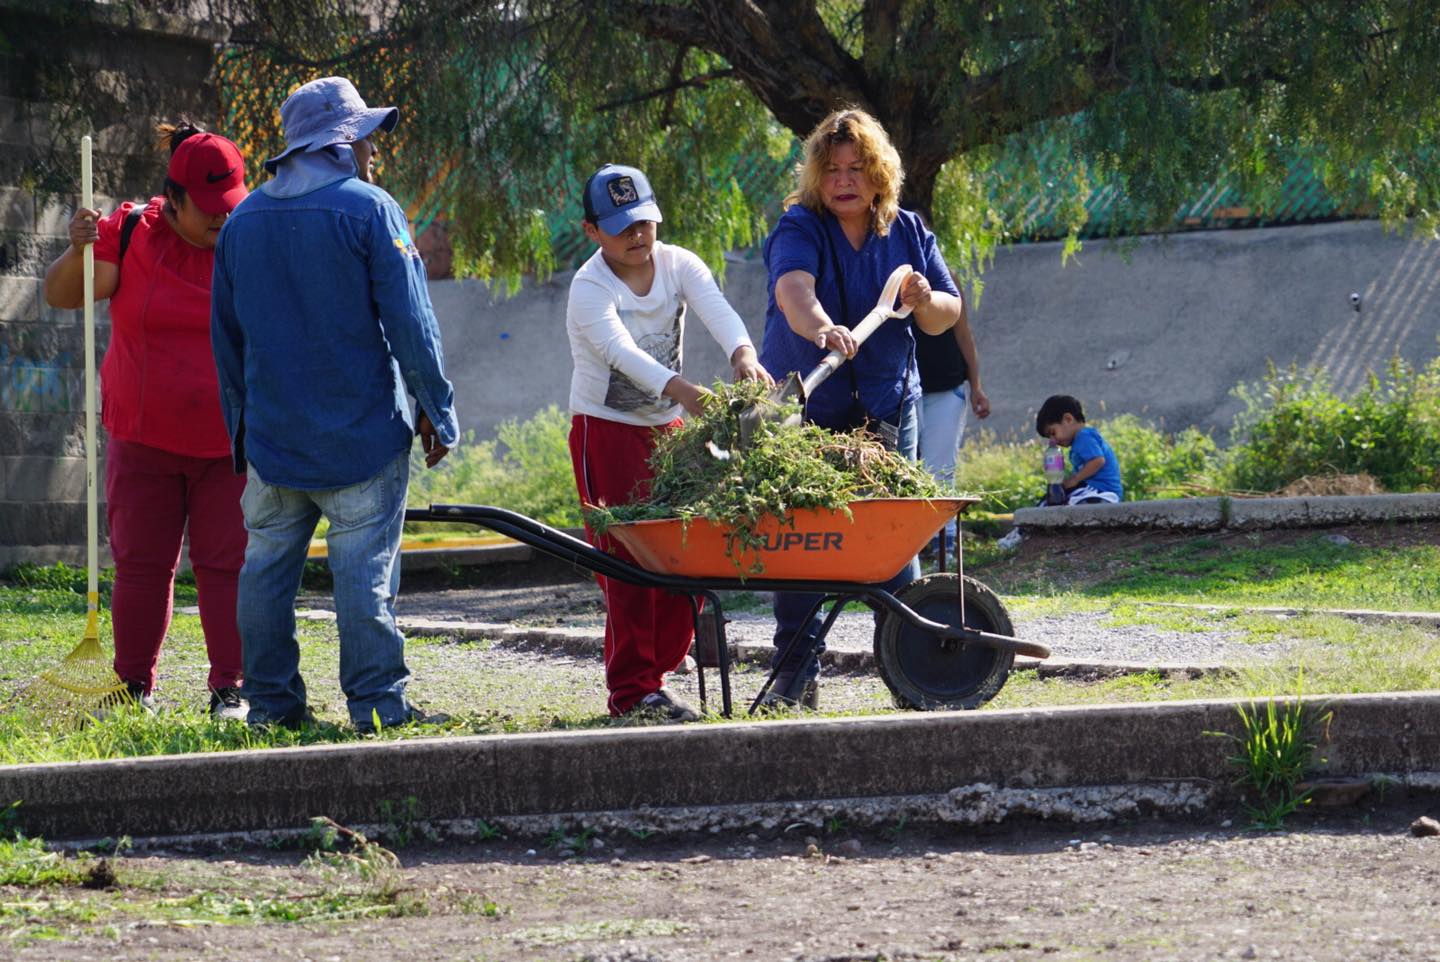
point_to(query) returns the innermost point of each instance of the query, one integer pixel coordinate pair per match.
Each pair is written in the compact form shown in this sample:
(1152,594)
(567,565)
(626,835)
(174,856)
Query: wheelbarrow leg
(711,648)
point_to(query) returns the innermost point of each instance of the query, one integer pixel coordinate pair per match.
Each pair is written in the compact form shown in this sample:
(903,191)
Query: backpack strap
(126,229)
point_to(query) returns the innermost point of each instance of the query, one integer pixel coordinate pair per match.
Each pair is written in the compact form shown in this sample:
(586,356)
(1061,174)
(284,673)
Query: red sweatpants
(647,631)
(150,496)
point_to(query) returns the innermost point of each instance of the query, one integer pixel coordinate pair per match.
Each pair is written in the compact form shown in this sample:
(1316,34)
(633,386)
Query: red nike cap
(211,170)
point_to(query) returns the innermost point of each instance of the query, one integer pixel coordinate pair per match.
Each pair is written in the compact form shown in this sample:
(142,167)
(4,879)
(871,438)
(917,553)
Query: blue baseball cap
(325,112)
(616,197)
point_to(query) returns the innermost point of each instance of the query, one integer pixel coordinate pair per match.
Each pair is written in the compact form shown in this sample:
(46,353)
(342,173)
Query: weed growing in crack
(1277,747)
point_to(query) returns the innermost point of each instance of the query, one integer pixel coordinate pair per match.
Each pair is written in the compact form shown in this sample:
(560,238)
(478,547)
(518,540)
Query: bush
(526,469)
(1293,425)
(1007,474)
(1154,464)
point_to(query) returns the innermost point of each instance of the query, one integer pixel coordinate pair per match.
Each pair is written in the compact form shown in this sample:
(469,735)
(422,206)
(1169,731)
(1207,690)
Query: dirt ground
(1355,887)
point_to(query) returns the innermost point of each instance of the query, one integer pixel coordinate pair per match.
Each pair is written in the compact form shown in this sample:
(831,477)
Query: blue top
(1089,445)
(320,322)
(884,367)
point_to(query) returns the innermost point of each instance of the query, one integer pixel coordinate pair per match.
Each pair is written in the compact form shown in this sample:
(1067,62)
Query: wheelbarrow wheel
(924,673)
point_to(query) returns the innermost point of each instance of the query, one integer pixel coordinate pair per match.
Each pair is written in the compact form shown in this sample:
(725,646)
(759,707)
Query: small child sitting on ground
(1094,476)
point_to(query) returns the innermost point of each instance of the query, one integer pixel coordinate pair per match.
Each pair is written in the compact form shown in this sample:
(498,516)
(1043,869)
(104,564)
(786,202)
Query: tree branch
(699,80)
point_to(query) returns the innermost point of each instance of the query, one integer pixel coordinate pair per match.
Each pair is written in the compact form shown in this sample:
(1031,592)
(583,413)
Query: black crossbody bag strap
(126,229)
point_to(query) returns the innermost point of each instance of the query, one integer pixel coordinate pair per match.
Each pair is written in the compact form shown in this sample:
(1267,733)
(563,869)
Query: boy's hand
(685,394)
(747,367)
(430,440)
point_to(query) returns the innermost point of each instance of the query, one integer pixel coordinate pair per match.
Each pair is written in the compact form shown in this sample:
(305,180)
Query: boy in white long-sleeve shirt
(626,318)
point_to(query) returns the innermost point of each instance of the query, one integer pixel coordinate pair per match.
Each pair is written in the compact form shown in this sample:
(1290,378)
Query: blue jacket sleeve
(227,343)
(397,285)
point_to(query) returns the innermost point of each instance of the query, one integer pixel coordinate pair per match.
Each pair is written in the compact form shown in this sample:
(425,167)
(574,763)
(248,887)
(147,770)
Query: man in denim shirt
(321,325)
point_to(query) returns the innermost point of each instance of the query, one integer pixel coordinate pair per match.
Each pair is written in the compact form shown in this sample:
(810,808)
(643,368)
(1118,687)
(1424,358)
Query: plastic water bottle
(1054,474)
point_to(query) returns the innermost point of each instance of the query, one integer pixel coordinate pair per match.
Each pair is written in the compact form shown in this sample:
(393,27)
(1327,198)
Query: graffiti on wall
(40,385)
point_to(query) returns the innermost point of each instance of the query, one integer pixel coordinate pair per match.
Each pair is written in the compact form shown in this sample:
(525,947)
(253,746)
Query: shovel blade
(788,391)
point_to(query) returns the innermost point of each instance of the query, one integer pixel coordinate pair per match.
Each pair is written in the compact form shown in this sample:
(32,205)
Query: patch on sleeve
(405,245)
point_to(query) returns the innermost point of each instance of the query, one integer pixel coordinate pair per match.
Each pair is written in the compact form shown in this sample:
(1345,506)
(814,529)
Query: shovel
(795,389)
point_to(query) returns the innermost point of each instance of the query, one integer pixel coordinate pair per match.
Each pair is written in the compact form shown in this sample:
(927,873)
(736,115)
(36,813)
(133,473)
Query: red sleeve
(107,248)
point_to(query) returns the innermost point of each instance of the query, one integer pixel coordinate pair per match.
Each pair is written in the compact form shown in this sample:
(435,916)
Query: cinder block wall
(60,62)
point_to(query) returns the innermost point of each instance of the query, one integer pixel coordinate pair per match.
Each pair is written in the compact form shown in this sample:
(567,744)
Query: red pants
(150,495)
(647,631)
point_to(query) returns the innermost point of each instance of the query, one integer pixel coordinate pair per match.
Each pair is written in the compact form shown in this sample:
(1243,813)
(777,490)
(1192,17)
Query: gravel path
(1091,636)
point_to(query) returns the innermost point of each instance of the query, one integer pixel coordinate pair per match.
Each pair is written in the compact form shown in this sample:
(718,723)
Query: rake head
(74,691)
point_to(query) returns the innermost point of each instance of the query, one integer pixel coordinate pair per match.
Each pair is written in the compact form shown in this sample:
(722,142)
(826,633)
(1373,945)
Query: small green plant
(574,844)
(402,820)
(10,822)
(486,832)
(894,832)
(1276,751)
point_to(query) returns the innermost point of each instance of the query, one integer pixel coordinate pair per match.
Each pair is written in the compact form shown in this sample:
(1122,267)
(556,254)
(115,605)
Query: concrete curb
(1211,514)
(733,763)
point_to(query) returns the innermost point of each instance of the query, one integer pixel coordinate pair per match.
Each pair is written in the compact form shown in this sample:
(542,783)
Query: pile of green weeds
(702,470)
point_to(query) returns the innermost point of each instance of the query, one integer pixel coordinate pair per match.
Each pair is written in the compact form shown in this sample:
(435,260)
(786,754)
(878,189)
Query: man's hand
(430,441)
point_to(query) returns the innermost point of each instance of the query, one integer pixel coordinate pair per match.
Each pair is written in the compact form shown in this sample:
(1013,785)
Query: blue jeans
(942,431)
(791,607)
(364,553)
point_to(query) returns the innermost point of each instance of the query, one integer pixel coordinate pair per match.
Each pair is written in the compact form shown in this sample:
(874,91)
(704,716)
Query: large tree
(508,104)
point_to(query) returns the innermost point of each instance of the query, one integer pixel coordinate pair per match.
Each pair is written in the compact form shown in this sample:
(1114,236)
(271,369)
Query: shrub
(1007,474)
(1294,425)
(525,469)
(1154,464)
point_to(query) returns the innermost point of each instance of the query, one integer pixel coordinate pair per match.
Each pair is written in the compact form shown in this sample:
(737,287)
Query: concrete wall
(1163,327)
(137,69)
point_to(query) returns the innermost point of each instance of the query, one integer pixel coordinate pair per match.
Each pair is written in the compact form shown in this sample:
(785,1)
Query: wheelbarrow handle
(884,310)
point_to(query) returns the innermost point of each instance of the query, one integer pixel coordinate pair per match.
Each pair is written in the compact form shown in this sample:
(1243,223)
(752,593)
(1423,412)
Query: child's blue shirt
(1089,445)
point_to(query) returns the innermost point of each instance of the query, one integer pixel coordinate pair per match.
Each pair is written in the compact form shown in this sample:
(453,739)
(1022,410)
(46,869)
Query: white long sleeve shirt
(626,348)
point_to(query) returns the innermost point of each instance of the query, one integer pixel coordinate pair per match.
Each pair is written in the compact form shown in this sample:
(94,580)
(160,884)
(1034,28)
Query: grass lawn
(489,688)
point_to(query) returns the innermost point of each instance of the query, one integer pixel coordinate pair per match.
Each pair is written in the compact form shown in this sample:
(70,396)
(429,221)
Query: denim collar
(302,172)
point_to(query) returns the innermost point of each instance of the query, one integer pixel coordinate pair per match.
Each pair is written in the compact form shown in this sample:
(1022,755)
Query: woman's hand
(84,227)
(915,292)
(747,367)
(836,338)
(979,402)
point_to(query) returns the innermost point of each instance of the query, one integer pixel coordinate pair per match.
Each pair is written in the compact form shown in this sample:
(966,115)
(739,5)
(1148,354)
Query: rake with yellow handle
(85,681)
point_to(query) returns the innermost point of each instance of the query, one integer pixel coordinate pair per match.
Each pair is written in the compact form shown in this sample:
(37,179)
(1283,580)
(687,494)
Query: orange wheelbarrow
(944,641)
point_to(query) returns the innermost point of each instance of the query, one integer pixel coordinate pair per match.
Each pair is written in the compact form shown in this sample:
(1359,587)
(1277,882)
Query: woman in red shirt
(167,462)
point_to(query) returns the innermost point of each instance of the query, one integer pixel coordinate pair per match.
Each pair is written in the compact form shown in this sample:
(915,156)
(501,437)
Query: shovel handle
(884,310)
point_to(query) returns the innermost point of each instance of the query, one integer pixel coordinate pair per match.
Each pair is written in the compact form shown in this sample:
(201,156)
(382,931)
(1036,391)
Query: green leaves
(703,471)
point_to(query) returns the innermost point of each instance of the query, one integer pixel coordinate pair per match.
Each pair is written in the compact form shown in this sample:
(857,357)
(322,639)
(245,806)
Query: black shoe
(227,705)
(292,722)
(413,716)
(663,706)
(790,690)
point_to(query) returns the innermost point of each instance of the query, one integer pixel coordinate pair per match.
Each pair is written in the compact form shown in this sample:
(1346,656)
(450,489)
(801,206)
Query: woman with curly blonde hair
(842,234)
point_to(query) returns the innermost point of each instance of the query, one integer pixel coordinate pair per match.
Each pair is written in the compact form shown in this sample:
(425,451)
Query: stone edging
(1211,514)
